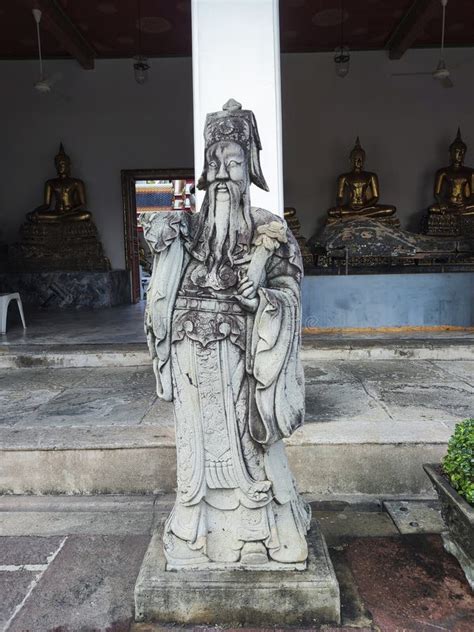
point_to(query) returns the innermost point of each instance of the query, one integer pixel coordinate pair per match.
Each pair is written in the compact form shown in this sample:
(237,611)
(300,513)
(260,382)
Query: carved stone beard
(225,221)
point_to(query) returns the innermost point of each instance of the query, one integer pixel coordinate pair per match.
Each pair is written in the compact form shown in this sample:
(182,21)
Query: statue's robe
(237,385)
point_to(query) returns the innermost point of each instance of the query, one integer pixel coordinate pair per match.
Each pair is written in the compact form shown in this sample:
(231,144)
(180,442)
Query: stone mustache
(223,328)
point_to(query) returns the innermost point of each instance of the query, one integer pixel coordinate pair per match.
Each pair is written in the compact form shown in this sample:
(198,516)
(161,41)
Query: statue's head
(232,147)
(231,164)
(62,162)
(357,156)
(457,149)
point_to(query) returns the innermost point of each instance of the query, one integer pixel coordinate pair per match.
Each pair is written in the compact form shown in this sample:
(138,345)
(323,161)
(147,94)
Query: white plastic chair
(4,303)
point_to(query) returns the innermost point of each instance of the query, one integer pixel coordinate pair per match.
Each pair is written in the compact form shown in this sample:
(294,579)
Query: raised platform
(81,420)
(69,290)
(78,409)
(389,300)
(308,597)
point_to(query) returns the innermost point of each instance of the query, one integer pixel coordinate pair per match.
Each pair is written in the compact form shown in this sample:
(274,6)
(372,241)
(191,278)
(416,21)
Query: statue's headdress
(237,125)
(357,149)
(61,155)
(458,142)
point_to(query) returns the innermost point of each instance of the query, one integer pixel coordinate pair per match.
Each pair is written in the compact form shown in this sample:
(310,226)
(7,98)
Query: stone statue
(223,328)
(358,193)
(454,185)
(69,195)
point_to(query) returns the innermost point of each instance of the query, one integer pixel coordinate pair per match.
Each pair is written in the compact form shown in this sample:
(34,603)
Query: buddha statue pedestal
(65,246)
(449,225)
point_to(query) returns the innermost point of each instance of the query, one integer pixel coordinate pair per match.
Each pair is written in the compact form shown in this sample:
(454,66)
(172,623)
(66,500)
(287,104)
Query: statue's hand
(247,294)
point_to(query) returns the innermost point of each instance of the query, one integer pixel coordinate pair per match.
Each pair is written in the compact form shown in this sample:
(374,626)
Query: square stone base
(239,597)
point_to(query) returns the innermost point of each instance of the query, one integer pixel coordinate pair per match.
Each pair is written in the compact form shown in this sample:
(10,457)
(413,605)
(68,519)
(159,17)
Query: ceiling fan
(45,83)
(441,72)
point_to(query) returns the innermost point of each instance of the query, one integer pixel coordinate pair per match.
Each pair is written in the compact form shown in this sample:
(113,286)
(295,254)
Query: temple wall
(108,123)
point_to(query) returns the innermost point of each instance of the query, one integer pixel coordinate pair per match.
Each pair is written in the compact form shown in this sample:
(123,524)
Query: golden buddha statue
(358,193)
(454,185)
(67,194)
(59,235)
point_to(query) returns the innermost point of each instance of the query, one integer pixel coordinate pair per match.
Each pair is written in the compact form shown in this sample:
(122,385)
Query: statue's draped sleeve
(275,341)
(162,232)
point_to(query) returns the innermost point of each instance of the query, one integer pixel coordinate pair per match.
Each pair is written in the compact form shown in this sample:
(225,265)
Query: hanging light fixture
(342,57)
(141,65)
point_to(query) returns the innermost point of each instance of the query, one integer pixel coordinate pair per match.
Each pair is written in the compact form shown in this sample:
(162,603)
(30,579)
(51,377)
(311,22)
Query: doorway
(150,191)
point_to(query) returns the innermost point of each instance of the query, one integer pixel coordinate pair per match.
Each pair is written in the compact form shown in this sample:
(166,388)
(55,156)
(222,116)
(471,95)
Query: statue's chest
(358,183)
(457,182)
(63,189)
(206,309)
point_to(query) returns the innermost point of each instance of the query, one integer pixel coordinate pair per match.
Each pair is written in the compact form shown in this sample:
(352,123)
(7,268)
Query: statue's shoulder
(261,216)
(287,250)
(161,228)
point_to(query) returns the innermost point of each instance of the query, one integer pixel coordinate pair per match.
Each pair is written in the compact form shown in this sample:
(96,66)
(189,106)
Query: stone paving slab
(92,406)
(462,369)
(448,401)
(327,371)
(103,503)
(77,522)
(13,589)
(342,401)
(89,586)
(37,379)
(21,405)
(410,583)
(31,549)
(398,371)
(339,525)
(416,517)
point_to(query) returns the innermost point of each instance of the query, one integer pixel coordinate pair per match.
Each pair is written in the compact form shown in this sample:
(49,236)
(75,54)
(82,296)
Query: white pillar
(236,54)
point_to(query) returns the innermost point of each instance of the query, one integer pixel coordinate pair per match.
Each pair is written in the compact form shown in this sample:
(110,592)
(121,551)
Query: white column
(236,54)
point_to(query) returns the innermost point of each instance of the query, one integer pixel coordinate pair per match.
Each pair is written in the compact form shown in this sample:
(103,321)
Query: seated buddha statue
(358,192)
(454,185)
(64,196)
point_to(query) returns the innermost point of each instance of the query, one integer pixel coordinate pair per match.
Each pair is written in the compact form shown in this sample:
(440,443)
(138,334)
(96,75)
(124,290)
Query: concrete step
(315,347)
(380,459)
(371,424)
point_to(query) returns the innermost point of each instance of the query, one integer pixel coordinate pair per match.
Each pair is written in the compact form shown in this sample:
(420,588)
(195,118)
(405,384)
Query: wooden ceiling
(96,29)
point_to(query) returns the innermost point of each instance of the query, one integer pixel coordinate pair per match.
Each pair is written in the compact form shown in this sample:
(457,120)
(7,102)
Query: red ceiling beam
(58,24)
(411,26)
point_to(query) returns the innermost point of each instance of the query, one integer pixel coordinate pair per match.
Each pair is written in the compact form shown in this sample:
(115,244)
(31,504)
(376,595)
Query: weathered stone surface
(415,516)
(13,588)
(29,549)
(93,406)
(223,324)
(239,597)
(88,586)
(18,406)
(69,290)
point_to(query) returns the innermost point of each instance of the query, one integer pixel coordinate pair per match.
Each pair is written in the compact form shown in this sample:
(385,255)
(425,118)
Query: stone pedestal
(239,597)
(72,246)
(450,225)
(69,290)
